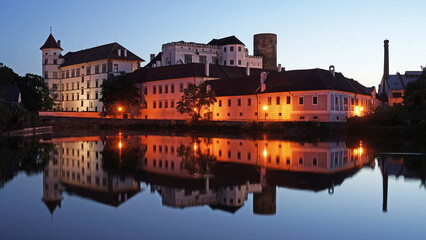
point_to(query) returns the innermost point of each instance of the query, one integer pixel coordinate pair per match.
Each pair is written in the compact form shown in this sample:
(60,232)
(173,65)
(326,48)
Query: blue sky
(311,34)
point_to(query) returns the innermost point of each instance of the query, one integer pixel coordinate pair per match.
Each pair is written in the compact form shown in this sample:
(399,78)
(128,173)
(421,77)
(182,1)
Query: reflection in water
(188,171)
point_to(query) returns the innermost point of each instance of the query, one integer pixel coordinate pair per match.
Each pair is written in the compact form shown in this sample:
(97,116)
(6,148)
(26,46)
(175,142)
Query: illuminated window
(288,100)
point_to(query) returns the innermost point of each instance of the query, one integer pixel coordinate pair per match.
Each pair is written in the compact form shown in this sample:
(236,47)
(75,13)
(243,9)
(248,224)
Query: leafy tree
(415,98)
(34,93)
(194,100)
(119,91)
(4,116)
(8,76)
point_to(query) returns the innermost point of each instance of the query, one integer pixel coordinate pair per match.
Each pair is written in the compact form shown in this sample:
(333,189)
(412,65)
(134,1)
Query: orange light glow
(195,109)
(358,110)
(265,108)
(120,109)
(195,147)
(120,145)
(265,153)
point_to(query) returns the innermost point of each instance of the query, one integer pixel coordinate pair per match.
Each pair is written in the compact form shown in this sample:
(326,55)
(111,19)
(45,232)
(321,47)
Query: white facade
(189,52)
(77,87)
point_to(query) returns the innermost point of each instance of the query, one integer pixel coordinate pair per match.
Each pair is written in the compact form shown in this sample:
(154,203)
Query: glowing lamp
(120,109)
(265,108)
(195,147)
(120,145)
(265,153)
(195,109)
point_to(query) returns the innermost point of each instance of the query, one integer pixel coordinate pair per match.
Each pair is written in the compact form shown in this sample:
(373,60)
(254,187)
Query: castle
(248,88)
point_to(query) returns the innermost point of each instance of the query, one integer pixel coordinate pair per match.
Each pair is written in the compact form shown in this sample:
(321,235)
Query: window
(82,79)
(154,104)
(72,85)
(278,101)
(116,68)
(104,67)
(239,62)
(154,89)
(229,102)
(203,59)
(160,104)
(77,72)
(55,74)
(45,62)
(231,62)
(188,58)
(181,87)
(68,73)
(239,49)
(97,83)
(88,95)
(396,95)
(314,161)
(67,86)
(215,60)
(249,102)
(220,103)
(224,49)
(239,102)
(72,96)
(160,89)
(63,74)
(96,95)
(288,100)
(231,49)
(145,91)
(82,91)
(352,101)
(88,83)
(224,62)
(96,69)
(345,101)
(166,104)
(78,98)
(82,103)
(72,72)
(166,89)
(300,100)
(88,70)
(55,61)
(315,100)
(172,88)
(172,103)
(269,100)
(67,97)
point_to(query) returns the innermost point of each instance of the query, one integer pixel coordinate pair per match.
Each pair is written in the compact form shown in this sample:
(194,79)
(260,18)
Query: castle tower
(52,188)
(51,60)
(265,45)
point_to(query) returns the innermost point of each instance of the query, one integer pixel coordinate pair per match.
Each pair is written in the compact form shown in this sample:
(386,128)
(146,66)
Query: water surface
(162,187)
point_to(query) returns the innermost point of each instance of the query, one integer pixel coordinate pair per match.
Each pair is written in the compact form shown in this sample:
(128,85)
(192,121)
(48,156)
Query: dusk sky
(311,34)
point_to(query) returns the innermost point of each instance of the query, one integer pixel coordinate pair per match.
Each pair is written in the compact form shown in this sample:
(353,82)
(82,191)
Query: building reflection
(76,167)
(408,166)
(192,171)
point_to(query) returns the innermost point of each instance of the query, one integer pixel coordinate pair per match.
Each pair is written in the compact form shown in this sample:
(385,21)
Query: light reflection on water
(222,175)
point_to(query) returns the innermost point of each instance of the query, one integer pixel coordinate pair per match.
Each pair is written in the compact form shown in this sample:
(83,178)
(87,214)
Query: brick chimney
(386,64)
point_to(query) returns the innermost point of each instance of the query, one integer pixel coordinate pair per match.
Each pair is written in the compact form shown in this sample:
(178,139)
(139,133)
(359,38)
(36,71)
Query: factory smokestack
(386,64)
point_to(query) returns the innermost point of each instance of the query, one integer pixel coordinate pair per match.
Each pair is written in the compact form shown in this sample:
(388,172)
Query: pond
(185,186)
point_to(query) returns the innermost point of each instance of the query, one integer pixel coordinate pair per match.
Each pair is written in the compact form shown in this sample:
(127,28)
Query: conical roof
(50,43)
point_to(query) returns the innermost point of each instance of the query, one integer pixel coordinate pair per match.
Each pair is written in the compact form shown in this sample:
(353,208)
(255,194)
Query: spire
(50,43)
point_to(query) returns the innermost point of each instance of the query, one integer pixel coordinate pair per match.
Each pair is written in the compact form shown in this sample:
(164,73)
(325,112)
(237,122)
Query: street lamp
(265,108)
(120,109)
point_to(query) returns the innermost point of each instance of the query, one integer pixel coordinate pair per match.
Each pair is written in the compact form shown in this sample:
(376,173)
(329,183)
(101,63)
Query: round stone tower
(265,45)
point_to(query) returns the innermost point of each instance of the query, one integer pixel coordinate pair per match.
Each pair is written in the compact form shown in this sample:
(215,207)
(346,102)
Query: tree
(415,98)
(194,100)
(119,92)
(8,76)
(34,93)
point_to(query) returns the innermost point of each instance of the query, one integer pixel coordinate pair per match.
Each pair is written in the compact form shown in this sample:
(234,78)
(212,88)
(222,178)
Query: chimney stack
(386,64)
(279,68)
(332,70)
(151,56)
(59,43)
(158,63)
(248,68)
(207,69)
